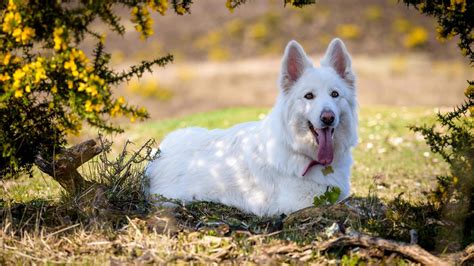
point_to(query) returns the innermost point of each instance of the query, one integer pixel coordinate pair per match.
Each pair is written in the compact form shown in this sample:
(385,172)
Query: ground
(390,160)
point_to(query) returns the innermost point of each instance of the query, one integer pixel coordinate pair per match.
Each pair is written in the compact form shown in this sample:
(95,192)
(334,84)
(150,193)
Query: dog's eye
(334,94)
(309,95)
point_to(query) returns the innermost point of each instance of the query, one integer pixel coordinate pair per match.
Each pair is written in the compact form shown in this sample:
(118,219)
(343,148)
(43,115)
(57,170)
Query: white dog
(273,166)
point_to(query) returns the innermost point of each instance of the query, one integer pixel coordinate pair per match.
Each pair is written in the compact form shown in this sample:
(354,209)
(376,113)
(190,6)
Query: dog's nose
(327,117)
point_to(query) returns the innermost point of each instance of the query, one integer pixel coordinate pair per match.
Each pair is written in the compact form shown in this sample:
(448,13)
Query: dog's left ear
(294,63)
(339,59)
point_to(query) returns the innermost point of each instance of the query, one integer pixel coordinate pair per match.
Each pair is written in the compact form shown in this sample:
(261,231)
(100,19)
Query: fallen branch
(63,165)
(411,251)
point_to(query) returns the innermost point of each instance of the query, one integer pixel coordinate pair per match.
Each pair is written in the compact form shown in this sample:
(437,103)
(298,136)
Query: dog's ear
(294,64)
(339,59)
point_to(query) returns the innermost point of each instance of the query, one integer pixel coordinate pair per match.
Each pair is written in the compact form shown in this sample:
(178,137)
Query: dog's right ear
(294,63)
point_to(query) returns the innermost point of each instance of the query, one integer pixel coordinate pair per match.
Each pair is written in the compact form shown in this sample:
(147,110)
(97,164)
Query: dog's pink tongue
(325,149)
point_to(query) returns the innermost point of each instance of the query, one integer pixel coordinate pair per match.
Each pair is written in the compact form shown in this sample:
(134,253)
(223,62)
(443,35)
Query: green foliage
(453,139)
(452,136)
(329,197)
(48,86)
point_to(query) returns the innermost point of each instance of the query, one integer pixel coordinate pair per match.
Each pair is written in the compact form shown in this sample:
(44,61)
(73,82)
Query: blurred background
(225,59)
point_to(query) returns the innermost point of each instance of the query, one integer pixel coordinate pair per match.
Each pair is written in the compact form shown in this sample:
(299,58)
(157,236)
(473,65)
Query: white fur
(257,166)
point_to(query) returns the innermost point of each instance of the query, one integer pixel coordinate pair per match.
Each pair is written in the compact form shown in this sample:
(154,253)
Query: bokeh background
(225,59)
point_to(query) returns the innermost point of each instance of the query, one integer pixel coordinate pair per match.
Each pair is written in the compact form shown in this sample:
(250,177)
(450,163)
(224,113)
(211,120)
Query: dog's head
(320,102)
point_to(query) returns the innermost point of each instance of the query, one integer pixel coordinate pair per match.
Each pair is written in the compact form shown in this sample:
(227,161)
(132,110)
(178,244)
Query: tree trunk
(63,165)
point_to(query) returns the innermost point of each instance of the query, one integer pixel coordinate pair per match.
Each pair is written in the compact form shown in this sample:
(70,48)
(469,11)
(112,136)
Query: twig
(410,251)
(62,230)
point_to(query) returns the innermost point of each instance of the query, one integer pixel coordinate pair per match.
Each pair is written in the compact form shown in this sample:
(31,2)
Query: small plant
(118,183)
(329,197)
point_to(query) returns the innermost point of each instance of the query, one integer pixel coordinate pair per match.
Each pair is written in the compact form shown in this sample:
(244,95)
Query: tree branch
(63,168)
(411,251)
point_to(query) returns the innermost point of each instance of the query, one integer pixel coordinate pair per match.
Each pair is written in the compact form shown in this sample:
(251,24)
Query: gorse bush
(453,135)
(48,86)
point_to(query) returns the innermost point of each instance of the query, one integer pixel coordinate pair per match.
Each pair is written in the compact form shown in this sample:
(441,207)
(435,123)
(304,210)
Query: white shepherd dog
(273,166)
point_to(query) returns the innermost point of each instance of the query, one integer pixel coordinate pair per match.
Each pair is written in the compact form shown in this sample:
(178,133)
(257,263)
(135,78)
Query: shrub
(49,86)
(453,136)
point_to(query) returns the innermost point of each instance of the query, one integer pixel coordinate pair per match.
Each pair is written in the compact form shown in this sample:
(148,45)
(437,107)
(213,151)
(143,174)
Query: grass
(389,160)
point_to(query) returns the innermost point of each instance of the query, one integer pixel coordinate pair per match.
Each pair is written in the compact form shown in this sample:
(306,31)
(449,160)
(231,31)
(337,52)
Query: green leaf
(327,170)
(329,197)
(333,194)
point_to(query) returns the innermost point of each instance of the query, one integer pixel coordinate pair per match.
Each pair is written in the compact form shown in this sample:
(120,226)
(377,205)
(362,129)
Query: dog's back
(200,164)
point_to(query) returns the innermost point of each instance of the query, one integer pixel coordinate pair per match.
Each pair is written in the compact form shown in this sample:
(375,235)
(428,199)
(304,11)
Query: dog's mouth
(325,152)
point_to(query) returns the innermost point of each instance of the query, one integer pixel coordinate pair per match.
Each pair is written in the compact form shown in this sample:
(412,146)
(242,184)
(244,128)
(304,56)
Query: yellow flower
(82,86)
(92,90)
(138,28)
(17,34)
(54,89)
(28,88)
(40,74)
(88,106)
(469,91)
(11,5)
(6,59)
(180,10)
(4,78)
(19,74)
(135,10)
(59,39)
(159,5)
(121,100)
(18,93)
(11,22)
(458,3)
(115,110)
(229,6)
(27,34)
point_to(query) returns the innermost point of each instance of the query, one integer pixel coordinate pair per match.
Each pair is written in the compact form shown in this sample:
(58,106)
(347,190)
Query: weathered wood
(63,165)
(413,252)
